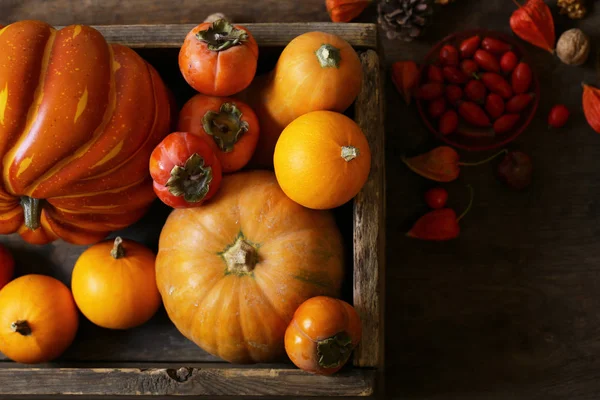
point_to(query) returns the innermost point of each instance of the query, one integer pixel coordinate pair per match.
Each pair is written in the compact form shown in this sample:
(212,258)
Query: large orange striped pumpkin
(79,119)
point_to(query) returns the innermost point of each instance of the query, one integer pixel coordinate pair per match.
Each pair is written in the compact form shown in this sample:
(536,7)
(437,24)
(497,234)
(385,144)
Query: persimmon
(322,335)
(218,58)
(229,125)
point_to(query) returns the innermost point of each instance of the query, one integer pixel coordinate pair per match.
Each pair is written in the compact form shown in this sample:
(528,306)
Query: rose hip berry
(434,74)
(449,55)
(486,61)
(448,122)
(469,67)
(515,170)
(454,75)
(476,91)
(508,62)
(505,123)
(473,114)
(453,93)
(437,107)
(436,197)
(430,91)
(495,46)
(519,102)
(558,117)
(497,84)
(494,105)
(469,46)
(521,78)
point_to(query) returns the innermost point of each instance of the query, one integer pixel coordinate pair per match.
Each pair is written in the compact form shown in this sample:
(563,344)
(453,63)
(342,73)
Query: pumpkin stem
(241,257)
(334,351)
(192,181)
(32,212)
(329,56)
(349,153)
(226,126)
(21,327)
(118,251)
(222,35)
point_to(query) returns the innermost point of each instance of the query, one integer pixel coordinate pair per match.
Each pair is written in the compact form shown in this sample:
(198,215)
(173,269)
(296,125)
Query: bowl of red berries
(477,90)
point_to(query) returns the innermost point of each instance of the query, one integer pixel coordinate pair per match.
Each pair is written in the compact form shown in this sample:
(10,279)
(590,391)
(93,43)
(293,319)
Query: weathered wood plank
(361,35)
(183,382)
(369,219)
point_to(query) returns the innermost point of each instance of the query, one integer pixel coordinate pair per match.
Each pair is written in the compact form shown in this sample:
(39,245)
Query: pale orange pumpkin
(232,272)
(322,160)
(114,284)
(316,71)
(38,319)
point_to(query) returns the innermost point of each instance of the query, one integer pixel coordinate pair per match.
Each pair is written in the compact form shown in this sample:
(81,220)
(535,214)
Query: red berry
(559,115)
(430,91)
(495,46)
(475,90)
(434,74)
(521,78)
(486,61)
(454,75)
(469,67)
(453,93)
(448,122)
(494,105)
(437,107)
(497,84)
(449,55)
(469,46)
(508,62)
(519,102)
(506,122)
(473,114)
(436,197)
(515,170)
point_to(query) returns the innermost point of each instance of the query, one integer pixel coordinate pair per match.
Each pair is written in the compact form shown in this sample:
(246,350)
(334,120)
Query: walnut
(573,47)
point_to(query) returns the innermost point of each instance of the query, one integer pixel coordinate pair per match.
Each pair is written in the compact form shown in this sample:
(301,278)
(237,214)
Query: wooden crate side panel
(369,219)
(182,382)
(361,35)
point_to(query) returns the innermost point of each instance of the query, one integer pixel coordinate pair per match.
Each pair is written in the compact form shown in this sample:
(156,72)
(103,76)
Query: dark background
(511,309)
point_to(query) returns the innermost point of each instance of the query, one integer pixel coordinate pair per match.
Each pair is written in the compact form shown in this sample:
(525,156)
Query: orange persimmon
(230,126)
(322,335)
(218,58)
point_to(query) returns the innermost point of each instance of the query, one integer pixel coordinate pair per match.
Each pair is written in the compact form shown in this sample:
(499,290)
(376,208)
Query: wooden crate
(155,360)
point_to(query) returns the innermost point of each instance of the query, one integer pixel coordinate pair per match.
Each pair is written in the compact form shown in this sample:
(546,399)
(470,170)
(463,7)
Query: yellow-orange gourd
(322,160)
(114,284)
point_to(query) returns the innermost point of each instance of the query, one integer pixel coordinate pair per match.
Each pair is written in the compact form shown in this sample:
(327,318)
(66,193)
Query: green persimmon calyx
(192,181)
(329,56)
(222,35)
(226,126)
(334,351)
(32,212)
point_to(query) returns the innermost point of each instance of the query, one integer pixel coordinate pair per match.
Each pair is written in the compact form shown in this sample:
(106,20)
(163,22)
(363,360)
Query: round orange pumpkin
(114,284)
(322,335)
(38,319)
(78,121)
(322,160)
(232,273)
(229,126)
(316,71)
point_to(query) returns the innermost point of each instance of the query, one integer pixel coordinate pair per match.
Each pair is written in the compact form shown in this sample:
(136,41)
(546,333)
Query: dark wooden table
(510,310)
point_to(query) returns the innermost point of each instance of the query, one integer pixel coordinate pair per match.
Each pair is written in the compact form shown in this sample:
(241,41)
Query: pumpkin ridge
(32,112)
(96,135)
(145,142)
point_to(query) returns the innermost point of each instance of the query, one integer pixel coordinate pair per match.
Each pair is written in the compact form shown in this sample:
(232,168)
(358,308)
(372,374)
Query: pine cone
(575,9)
(404,19)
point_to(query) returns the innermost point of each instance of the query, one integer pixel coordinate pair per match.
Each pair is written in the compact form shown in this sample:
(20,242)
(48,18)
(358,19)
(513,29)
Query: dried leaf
(345,10)
(405,75)
(591,106)
(440,164)
(436,225)
(533,23)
